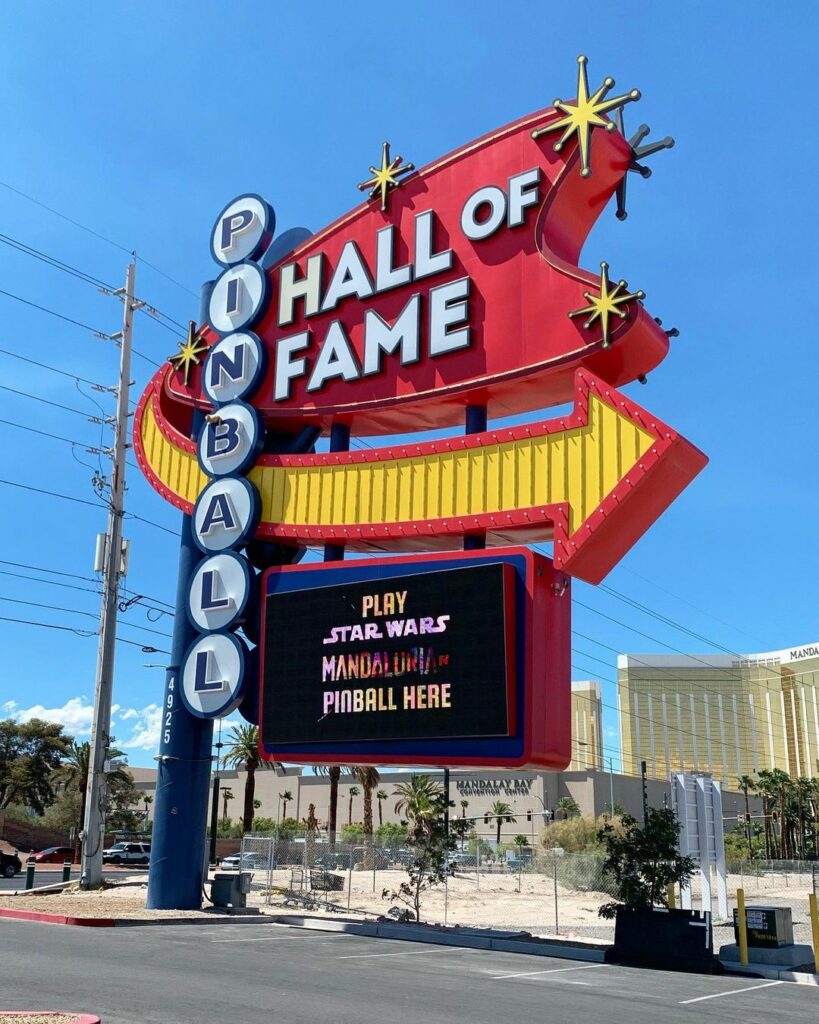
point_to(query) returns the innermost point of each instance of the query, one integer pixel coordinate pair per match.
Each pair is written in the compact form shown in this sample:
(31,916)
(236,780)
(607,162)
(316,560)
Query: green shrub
(352,833)
(391,834)
(574,835)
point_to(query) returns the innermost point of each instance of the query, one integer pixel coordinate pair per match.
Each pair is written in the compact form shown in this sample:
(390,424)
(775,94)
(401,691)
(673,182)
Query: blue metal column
(475,424)
(339,442)
(177,872)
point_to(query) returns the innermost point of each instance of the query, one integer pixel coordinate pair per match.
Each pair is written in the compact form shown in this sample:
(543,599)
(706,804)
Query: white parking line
(412,952)
(552,970)
(732,992)
(274,938)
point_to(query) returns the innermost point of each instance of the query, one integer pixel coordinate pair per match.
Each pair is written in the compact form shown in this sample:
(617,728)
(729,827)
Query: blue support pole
(339,442)
(475,424)
(176,875)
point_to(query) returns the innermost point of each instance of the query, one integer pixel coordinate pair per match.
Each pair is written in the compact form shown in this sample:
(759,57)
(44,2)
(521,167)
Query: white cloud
(75,715)
(145,728)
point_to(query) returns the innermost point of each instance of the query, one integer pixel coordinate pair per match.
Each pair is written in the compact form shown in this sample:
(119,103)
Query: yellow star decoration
(606,304)
(585,114)
(386,176)
(189,351)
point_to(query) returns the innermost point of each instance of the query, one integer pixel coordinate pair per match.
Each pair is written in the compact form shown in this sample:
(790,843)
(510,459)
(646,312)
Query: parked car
(54,855)
(127,853)
(244,862)
(462,860)
(10,865)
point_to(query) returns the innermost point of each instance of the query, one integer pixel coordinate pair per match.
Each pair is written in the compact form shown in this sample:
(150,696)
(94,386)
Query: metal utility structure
(110,555)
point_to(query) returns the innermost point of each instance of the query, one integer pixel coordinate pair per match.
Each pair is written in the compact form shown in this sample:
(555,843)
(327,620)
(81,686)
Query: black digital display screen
(418,656)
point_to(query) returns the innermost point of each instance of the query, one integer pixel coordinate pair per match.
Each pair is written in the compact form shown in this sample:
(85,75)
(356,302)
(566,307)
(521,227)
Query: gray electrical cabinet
(230,888)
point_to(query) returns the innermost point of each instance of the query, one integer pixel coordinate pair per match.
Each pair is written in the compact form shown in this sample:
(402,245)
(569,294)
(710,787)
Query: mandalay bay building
(721,714)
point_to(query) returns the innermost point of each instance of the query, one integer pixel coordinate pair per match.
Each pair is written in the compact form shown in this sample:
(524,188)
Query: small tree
(380,796)
(521,842)
(568,807)
(428,838)
(643,862)
(502,813)
(311,823)
(354,791)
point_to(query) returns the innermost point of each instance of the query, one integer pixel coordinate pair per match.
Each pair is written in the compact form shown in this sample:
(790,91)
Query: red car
(54,855)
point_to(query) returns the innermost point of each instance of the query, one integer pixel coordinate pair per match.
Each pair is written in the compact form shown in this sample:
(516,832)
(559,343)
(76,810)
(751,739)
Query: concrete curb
(774,973)
(498,941)
(34,915)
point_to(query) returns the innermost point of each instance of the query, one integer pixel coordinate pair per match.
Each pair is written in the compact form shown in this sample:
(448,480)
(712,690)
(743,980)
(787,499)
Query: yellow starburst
(189,351)
(584,114)
(386,177)
(607,304)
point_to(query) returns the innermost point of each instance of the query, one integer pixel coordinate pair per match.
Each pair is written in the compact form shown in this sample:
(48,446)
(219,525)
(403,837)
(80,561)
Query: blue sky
(141,121)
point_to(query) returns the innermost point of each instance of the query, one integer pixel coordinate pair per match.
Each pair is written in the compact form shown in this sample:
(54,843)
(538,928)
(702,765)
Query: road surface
(259,972)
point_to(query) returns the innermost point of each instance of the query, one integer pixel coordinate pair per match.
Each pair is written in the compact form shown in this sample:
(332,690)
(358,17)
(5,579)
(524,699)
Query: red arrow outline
(590,552)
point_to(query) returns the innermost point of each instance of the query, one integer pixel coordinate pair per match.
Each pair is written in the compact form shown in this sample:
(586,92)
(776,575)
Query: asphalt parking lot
(255,972)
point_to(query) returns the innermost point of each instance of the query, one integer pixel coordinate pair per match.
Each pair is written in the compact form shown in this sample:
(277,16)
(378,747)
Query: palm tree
(72,774)
(568,807)
(227,794)
(333,772)
(417,797)
(502,813)
(369,779)
(287,797)
(243,752)
(354,791)
(464,805)
(380,796)
(746,783)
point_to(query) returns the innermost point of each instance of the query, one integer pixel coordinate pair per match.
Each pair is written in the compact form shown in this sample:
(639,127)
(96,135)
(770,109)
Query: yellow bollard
(672,897)
(814,927)
(742,928)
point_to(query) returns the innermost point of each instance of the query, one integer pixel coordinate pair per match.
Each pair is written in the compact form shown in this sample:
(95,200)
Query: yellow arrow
(507,479)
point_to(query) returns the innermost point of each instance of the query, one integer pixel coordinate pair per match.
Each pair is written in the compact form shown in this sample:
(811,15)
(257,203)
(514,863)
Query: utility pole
(112,558)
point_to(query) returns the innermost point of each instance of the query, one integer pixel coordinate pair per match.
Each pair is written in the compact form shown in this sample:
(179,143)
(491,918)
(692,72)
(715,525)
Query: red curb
(79,1018)
(34,915)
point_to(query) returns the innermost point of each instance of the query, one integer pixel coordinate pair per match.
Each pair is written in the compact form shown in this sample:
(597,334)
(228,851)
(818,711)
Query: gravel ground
(122,900)
(38,1018)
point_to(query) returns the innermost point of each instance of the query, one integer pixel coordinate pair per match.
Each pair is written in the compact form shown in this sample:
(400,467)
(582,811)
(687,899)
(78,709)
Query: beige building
(727,716)
(587,726)
(529,794)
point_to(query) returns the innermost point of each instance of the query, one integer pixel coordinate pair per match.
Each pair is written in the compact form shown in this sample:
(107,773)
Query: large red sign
(459,293)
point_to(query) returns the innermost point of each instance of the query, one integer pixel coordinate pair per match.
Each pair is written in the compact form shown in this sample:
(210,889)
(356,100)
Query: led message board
(454,658)
(416,656)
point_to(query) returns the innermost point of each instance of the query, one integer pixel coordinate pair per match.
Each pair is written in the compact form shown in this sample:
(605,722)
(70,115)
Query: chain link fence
(545,893)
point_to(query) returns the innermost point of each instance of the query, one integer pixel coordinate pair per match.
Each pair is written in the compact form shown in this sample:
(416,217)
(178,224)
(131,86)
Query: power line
(53,369)
(53,494)
(60,316)
(83,501)
(51,583)
(83,633)
(78,611)
(96,234)
(44,433)
(52,261)
(53,572)
(45,401)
